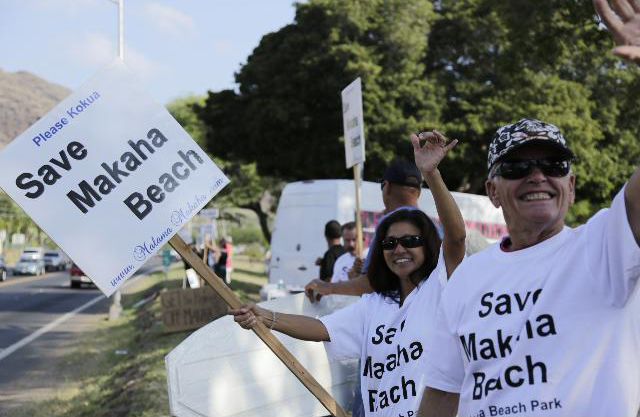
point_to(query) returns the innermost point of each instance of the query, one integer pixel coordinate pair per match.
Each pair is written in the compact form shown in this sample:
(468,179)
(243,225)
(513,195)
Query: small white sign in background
(353,123)
(212,213)
(109,175)
(17,239)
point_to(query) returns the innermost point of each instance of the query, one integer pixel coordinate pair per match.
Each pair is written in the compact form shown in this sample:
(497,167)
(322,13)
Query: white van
(305,206)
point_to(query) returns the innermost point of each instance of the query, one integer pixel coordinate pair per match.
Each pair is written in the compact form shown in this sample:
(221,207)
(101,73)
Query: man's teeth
(536,196)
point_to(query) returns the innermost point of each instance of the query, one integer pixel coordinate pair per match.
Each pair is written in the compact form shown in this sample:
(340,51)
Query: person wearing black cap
(333,234)
(401,185)
(545,322)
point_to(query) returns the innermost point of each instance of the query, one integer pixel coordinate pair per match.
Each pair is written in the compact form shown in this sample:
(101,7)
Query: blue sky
(177,48)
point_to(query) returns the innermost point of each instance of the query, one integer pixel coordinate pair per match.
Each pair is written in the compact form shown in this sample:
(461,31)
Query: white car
(55,261)
(29,266)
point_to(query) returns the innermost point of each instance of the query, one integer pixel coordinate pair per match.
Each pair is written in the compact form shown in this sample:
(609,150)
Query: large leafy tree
(247,189)
(467,66)
(286,113)
(503,60)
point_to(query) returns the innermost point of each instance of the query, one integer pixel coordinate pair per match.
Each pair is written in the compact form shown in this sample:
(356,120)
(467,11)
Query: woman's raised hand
(429,155)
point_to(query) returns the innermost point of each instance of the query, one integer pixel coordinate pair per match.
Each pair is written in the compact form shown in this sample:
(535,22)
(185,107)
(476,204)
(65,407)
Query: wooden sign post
(353,124)
(358,180)
(260,330)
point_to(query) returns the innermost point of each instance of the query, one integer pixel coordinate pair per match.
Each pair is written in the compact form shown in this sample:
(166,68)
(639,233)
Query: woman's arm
(427,158)
(294,325)
(436,403)
(356,286)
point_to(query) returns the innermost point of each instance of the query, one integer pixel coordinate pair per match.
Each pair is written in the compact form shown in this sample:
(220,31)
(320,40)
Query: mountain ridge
(25,98)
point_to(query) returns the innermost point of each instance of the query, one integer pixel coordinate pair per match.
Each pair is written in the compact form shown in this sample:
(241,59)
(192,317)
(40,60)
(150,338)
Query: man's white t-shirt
(550,330)
(389,339)
(343,264)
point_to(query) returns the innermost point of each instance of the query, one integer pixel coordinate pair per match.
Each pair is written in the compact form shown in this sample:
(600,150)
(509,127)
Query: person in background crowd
(345,262)
(221,255)
(229,263)
(546,321)
(191,278)
(332,234)
(409,267)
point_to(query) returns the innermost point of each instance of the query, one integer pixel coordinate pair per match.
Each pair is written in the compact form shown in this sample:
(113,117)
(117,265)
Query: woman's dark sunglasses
(407,241)
(517,169)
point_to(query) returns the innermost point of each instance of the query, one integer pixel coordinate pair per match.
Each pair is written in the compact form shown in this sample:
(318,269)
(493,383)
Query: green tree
(467,66)
(247,189)
(14,220)
(503,60)
(182,109)
(286,113)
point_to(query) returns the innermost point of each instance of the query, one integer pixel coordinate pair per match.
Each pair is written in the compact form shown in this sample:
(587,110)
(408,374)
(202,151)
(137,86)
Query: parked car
(77,277)
(32,253)
(3,269)
(55,261)
(28,265)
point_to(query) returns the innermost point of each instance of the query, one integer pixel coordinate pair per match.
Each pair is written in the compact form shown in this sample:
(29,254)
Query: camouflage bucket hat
(512,136)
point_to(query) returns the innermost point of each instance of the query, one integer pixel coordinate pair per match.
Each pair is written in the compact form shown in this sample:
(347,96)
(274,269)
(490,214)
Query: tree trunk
(262,218)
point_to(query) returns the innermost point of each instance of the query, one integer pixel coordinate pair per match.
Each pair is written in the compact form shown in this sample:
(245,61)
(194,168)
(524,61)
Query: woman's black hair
(381,279)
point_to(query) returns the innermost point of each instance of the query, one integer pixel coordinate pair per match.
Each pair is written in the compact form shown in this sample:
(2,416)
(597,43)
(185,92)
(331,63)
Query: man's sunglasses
(407,241)
(518,169)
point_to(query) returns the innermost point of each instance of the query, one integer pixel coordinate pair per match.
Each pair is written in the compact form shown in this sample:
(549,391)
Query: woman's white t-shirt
(389,339)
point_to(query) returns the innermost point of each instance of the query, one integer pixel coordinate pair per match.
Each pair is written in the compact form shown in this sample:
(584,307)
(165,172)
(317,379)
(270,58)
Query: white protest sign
(17,239)
(206,230)
(185,234)
(353,123)
(109,175)
(213,213)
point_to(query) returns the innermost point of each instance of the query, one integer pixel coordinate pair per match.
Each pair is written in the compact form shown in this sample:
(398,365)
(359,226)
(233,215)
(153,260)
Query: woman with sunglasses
(387,328)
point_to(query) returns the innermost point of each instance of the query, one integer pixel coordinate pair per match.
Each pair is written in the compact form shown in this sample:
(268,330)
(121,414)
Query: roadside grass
(118,369)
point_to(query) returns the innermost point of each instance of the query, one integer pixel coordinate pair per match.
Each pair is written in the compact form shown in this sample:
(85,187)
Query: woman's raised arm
(427,158)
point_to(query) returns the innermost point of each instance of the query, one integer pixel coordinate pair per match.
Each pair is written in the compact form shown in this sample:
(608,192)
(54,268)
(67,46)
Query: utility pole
(116,307)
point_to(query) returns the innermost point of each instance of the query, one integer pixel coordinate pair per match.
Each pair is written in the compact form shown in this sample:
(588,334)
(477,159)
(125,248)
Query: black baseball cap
(403,173)
(512,136)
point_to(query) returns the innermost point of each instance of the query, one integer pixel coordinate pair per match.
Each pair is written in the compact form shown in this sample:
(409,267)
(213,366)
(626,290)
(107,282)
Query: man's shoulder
(474,266)
(345,257)
(335,251)
(481,256)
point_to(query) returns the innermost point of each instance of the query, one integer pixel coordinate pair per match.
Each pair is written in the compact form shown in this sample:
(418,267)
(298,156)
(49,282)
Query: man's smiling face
(537,203)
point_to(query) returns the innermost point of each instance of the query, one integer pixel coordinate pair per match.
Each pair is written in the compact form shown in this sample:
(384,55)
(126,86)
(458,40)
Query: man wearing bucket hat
(546,322)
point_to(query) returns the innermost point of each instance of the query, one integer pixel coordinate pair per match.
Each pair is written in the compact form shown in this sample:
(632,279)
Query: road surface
(41,318)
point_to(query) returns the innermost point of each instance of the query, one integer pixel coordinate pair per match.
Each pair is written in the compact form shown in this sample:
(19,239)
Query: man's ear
(385,187)
(492,193)
(572,188)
